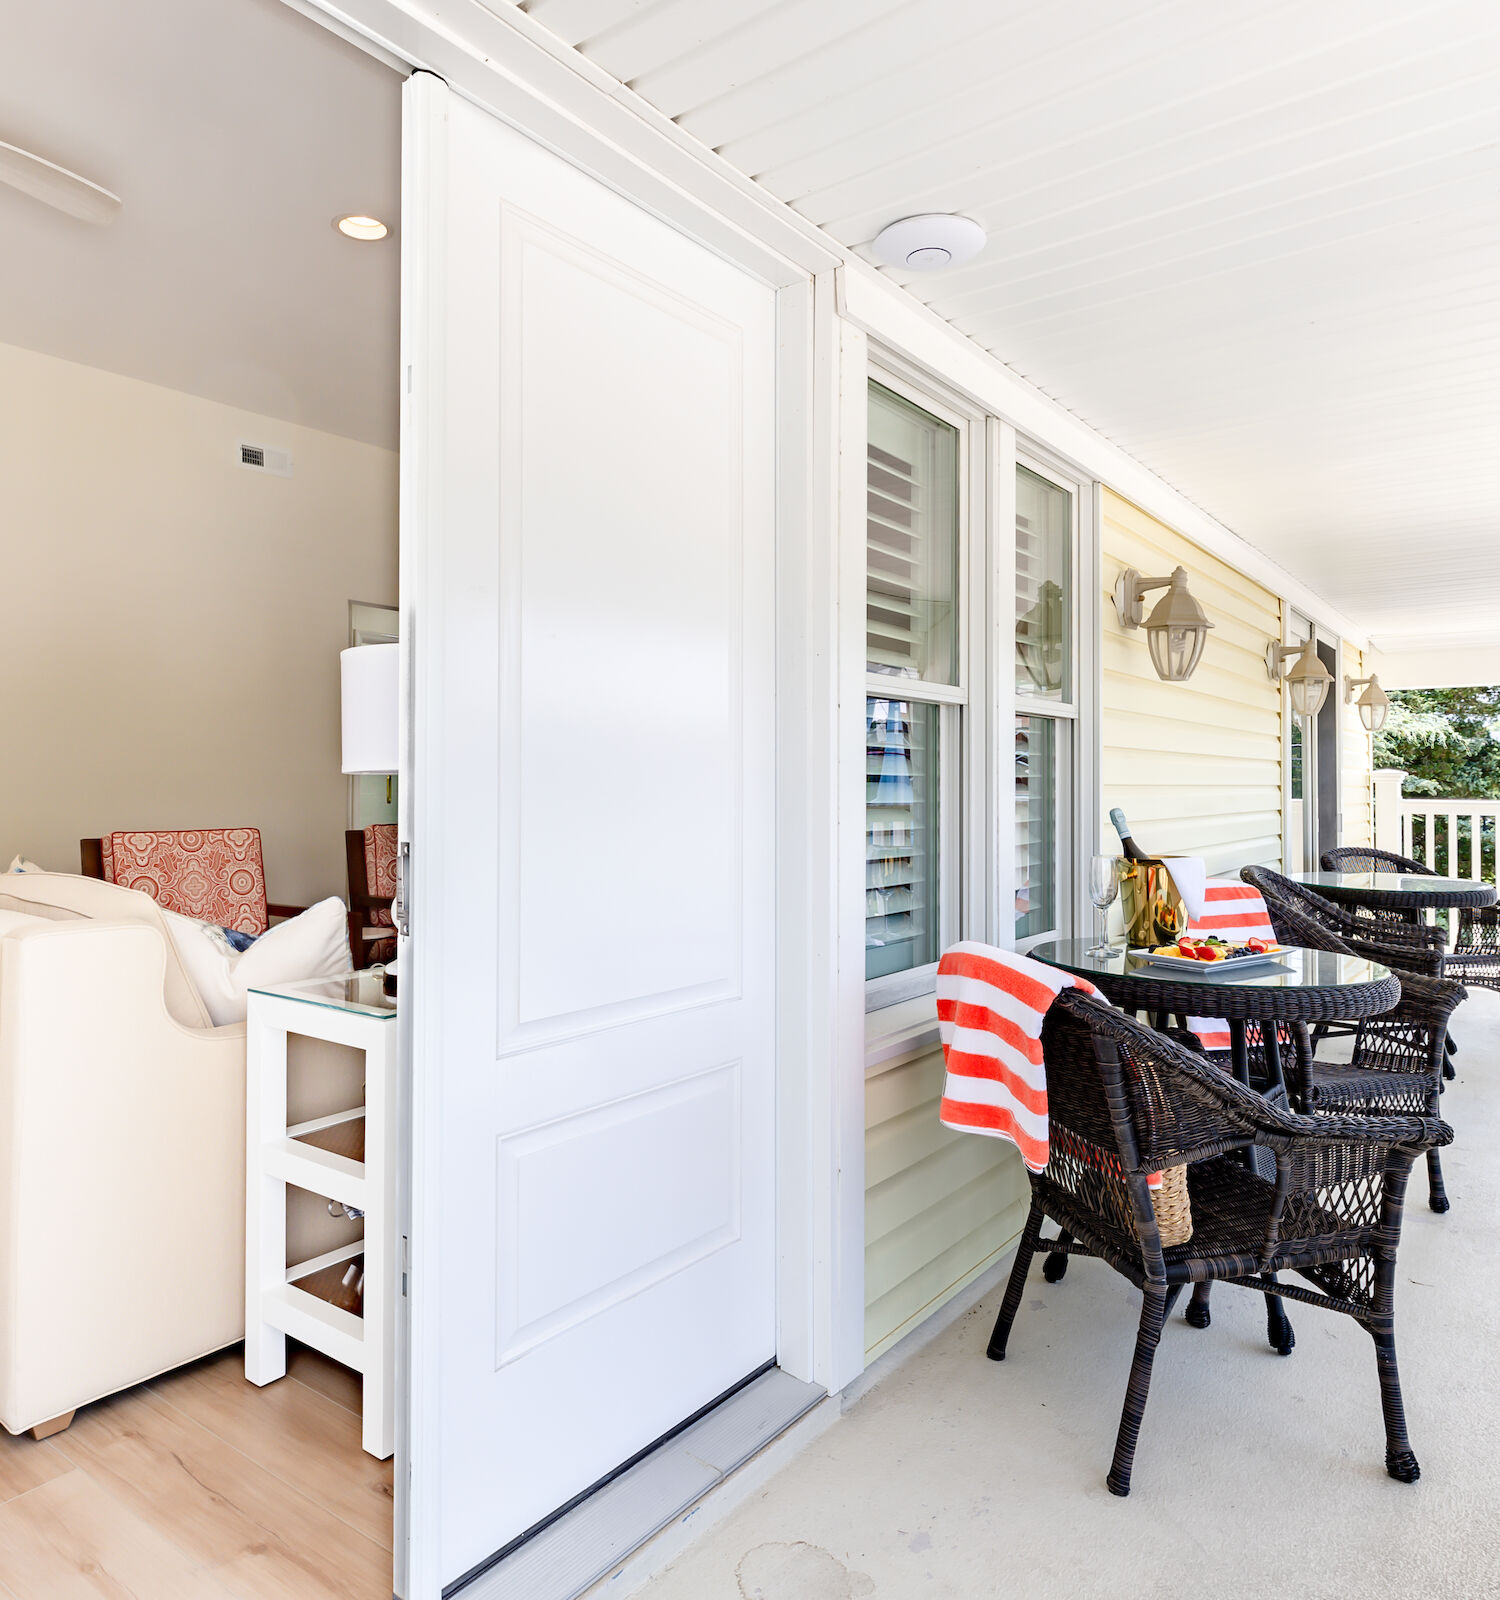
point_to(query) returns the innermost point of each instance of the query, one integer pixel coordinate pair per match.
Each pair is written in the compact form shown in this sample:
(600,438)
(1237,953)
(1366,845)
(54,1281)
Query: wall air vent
(261,458)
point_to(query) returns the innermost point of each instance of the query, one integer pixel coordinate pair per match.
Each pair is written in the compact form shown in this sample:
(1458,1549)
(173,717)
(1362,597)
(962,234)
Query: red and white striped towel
(1236,912)
(991,1004)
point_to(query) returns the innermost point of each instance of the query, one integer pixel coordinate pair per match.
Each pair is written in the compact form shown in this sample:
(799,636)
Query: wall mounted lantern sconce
(1177,628)
(1307,679)
(1374,704)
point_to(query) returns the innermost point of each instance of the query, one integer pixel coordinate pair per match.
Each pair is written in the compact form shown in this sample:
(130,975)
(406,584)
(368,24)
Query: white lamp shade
(370,679)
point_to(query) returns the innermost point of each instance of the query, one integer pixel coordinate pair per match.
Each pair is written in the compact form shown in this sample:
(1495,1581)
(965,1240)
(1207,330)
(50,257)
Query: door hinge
(405,1262)
(401,905)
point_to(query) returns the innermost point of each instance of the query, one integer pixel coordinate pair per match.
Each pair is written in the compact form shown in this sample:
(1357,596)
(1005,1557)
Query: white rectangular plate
(1230,964)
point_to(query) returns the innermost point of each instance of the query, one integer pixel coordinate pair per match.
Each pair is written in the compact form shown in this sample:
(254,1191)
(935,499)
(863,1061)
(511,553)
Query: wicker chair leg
(1400,1461)
(1017,1285)
(1055,1267)
(1197,1314)
(1449,1051)
(1437,1195)
(1136,1392)
(1278,1329)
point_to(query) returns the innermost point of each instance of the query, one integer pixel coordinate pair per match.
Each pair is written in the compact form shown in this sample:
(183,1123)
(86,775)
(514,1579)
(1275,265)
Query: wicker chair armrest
(1427,999)
(1249,1118)
(1423,961)
(1407,1133)
(1404,935)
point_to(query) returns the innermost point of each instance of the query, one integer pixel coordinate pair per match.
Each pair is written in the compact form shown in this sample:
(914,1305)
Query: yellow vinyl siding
(940,1207)
(1195,766)
(1354,761)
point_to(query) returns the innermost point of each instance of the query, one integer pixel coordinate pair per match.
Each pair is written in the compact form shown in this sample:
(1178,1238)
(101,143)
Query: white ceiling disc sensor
(922,244)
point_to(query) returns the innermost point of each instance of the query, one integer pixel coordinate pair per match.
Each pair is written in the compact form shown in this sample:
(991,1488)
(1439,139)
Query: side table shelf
(348,1157)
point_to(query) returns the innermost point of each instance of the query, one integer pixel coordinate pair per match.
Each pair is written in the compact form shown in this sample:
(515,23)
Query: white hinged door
(589,559)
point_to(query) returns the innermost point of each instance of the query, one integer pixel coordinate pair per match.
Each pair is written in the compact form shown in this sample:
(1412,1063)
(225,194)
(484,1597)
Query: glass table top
(1294,968)
(1385,882)
(350,991)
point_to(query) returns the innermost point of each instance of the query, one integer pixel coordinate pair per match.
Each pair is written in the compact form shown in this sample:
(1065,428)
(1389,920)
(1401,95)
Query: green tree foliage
(1445,740)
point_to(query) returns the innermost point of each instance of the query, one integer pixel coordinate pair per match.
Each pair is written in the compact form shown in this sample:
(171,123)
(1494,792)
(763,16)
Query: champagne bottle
(1152,907)
(1128,847)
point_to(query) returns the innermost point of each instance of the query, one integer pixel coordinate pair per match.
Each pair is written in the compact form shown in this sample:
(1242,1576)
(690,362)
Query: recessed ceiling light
(925,243)
(361,227)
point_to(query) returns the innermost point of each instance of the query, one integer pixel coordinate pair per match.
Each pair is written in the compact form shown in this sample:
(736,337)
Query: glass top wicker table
(1398,891)
(1299,986)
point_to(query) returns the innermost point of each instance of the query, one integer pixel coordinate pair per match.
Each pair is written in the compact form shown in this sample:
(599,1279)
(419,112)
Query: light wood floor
(200,1486)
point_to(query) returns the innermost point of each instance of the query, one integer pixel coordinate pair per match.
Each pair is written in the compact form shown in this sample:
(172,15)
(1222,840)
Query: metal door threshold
(577,1549)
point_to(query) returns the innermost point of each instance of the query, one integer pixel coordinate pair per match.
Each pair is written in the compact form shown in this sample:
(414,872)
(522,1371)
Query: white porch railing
(1454,837)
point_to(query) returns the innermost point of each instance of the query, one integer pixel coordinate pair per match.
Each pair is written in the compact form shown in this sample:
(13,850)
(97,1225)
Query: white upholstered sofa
(122,1154)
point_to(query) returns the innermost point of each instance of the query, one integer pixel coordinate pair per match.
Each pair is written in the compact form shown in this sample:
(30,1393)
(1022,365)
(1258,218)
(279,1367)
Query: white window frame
(963,724)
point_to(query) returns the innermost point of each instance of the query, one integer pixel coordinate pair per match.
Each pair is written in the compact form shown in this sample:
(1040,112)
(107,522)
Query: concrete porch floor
(1256,1475)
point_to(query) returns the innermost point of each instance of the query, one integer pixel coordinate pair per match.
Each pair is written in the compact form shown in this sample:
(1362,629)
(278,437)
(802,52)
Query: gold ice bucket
(1151,904)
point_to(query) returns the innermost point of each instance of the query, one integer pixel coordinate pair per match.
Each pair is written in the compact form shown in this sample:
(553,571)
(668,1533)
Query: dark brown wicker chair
(1475,957)
(1411,946)
(1398,1058)
(1124,1101)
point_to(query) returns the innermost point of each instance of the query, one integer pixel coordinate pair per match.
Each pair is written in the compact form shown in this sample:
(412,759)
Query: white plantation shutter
(911,549)
(1036,826)
(911,541)
(1044,528)
(902,762)
(1044,662)
(893,562)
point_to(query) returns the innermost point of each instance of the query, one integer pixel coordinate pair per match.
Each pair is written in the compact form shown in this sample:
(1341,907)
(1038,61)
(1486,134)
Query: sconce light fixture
(1374,704)
(1307,679)
(1039,639)
(1177,628)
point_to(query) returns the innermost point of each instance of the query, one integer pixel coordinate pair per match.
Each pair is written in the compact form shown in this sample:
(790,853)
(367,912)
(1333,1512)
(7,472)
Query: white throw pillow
(312,945)
(21,864)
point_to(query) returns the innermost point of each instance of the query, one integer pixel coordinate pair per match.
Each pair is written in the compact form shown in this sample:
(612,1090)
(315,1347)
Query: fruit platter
(1215,953)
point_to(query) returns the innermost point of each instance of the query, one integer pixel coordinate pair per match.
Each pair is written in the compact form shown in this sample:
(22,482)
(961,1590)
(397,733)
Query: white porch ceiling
(1256,246)
(235,131)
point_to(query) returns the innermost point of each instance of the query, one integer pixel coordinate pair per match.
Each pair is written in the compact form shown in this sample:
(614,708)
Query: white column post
(1388,829)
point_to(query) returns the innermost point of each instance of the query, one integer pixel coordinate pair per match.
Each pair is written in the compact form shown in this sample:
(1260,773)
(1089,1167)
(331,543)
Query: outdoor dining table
(1299,985)
(1397,891)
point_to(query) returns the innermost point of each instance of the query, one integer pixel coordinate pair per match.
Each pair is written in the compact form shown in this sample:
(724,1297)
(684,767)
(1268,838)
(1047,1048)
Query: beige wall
(1195,766)
(940,1207)
(173,620)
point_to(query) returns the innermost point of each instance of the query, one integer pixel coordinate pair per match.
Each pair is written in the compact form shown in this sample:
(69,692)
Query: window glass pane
(911,542)
(901,836)
(1296,758)
(1044,593)
(1036,826)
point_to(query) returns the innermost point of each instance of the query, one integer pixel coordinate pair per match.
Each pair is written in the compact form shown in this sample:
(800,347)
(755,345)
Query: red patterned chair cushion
(380,869)
(214,874)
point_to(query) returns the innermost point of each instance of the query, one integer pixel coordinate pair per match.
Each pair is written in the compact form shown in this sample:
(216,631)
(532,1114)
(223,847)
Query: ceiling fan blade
(56,186)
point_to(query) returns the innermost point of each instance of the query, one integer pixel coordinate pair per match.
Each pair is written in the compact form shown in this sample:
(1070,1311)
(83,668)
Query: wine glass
(1104,887)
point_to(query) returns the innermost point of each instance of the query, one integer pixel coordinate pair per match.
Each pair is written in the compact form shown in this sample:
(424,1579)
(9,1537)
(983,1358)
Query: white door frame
(820,1070)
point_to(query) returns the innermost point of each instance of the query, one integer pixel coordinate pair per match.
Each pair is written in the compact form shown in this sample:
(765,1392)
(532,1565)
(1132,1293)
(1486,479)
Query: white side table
(299,1299)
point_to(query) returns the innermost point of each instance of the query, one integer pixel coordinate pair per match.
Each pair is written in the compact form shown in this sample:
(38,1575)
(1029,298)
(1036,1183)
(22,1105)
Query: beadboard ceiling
(1258,246)
(235,131)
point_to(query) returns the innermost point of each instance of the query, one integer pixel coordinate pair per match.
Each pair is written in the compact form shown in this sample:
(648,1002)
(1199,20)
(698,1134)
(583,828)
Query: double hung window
(914,688)
(956,691)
